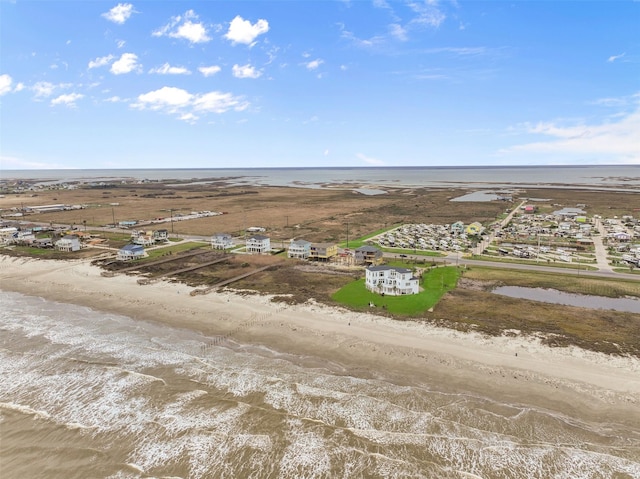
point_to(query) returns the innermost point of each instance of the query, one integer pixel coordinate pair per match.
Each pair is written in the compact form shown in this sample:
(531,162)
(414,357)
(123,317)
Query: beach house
(258,244)
(368,255)
(222,241)
(300,249)
(68,243)
(391,280)
(322,251)
(130,252)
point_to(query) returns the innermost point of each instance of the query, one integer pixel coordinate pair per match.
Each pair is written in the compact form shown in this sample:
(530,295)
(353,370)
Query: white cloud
(120,43)
(5,84)
(209,71)
(100,61)
(189,118)
(245,71)
(186,105)
(114,99)
(183,27)
(67,99)
(166,97)
(127,63)
(167,69)
(242,31)
(398,31)
(608,141)
(120,13)
(43,89)
(427,13)
(19,87)
(218,102)
(368,160)
(314,64)
(613,58)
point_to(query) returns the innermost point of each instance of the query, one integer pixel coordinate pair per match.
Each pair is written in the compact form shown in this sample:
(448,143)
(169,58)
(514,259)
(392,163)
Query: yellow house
(474,229)
(323,251)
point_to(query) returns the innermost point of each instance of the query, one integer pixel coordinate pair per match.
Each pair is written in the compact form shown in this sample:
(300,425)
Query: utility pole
(347,234)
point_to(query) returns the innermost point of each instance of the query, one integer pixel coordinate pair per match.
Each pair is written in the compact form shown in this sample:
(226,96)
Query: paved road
(451,259)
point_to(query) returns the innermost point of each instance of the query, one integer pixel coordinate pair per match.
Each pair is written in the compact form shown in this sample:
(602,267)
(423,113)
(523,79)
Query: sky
(230,84)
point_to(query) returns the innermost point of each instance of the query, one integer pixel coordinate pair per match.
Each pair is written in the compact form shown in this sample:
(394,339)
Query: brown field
(314,214)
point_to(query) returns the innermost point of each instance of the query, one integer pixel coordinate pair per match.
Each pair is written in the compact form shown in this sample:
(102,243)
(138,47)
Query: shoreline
(507,369)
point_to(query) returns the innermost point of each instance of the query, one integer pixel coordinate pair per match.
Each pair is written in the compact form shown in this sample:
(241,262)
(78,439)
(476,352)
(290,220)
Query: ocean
(85,394)
(610,176)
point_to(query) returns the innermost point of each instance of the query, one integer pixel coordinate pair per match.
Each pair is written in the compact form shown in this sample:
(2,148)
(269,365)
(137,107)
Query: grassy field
(612,288)
(435,284)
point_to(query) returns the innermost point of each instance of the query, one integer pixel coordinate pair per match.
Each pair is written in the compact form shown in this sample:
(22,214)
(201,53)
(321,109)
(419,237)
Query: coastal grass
(609,332)
(435,284)
(174,249)
(356,243)
(609,287)
(554,264)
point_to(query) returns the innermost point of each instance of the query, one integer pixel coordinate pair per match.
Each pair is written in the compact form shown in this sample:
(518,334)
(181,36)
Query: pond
(628,304)
(370,191)
(478,196)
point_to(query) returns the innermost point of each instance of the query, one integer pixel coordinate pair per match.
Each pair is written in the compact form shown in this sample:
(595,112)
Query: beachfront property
(391,280)
(130,252)
(161,235)
(258,244)
(369,255)
(299,249)
(222,241)
(323,251)
(149,238)
(68,243)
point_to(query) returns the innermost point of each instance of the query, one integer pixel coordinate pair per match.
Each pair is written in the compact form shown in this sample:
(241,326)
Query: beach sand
(521,370)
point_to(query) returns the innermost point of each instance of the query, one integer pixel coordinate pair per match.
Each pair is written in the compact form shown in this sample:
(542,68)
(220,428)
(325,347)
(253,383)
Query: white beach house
(391,280)
(299,248)
(258,244)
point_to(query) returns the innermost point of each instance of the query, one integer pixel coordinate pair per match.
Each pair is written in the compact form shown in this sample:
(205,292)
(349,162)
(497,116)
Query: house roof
(259,237)
(132,247)
(301,242)
(388,268)
(367,248)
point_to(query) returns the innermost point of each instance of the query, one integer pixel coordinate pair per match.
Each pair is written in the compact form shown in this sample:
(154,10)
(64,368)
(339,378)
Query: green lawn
(357,242)
(435,283)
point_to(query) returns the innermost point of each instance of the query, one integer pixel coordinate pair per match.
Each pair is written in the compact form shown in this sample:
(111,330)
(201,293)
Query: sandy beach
(522,370)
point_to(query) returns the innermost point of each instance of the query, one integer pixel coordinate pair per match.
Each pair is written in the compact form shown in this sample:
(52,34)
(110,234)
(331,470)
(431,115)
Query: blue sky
(318,83)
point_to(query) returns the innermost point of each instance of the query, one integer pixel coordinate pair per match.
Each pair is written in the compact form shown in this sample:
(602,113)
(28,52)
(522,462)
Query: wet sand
(572,381)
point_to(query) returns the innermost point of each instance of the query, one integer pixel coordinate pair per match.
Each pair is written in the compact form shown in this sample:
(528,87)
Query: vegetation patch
(435,283)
